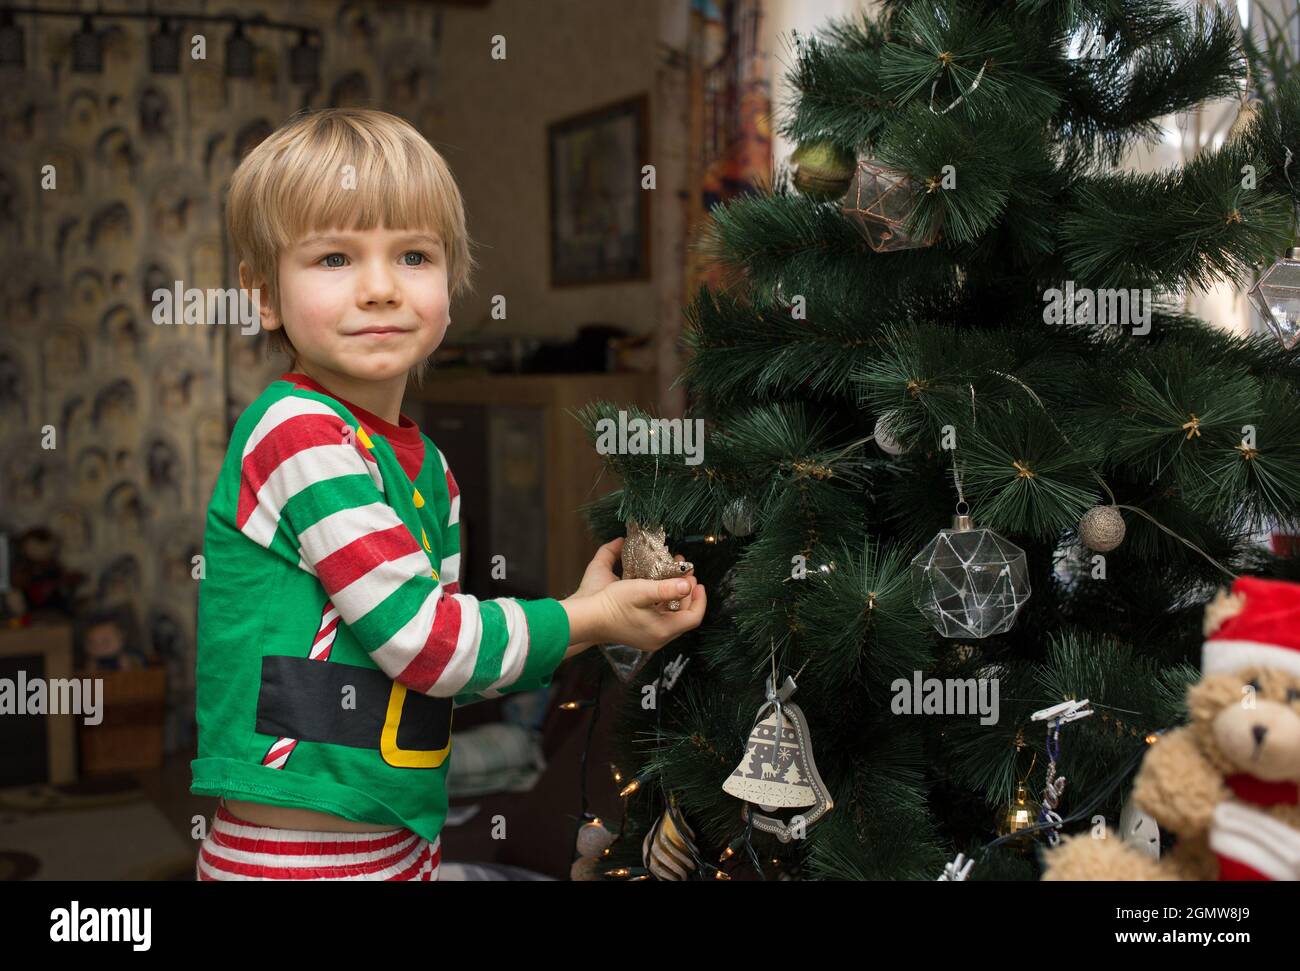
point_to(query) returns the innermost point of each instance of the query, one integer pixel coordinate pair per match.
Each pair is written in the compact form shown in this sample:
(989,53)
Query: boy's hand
(594,618)
(634,612)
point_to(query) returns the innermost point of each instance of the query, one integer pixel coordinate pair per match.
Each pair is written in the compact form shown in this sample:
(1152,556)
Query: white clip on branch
(1063,713)
(957,870)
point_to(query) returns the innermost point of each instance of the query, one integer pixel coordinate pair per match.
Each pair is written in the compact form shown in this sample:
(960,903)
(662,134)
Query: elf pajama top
(333,641)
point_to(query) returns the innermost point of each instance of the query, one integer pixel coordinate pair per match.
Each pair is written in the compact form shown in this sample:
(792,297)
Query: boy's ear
(265,299)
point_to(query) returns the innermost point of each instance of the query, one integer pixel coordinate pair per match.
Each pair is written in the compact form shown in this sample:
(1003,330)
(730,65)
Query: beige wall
(809,18)
(563,57)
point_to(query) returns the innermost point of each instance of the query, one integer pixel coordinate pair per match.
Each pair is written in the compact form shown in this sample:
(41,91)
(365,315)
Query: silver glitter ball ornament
(1102,528)
(738,517)
(884,435)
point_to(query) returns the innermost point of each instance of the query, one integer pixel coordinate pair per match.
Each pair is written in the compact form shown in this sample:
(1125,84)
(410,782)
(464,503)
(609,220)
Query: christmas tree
(959,303)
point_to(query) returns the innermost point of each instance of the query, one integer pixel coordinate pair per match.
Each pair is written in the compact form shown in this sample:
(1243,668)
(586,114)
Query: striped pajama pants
(236,849)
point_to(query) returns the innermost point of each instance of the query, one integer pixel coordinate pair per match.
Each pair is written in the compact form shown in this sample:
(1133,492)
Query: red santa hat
(1257,626)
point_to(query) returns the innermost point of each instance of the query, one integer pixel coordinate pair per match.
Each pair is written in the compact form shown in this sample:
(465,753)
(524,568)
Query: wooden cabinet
(524,466)
(131,735)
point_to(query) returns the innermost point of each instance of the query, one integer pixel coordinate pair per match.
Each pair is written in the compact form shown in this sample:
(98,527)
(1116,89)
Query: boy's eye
(423,258)
(331,256)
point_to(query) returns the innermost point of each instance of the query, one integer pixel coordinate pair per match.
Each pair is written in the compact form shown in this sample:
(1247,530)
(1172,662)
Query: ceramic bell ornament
(778,770)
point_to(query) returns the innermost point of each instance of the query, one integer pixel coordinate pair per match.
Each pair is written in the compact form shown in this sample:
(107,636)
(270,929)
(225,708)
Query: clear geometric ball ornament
(970,582)
(1277,299)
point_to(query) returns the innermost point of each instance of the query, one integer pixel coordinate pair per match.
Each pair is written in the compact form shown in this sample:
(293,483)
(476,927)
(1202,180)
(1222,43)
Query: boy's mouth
(378,331)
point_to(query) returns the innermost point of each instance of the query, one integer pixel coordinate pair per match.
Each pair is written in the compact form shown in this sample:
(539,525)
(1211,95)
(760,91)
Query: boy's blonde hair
(293,183)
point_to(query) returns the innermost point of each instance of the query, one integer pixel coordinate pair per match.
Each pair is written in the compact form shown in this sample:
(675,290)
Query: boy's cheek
(314,313)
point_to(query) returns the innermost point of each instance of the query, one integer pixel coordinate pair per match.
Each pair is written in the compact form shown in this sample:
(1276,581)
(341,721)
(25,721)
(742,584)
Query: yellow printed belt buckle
(405,758)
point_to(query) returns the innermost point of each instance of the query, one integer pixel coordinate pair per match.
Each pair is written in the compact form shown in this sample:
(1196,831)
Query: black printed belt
(341,704)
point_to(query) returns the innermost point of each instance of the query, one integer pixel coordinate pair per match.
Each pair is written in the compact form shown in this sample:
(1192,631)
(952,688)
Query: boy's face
(369,304)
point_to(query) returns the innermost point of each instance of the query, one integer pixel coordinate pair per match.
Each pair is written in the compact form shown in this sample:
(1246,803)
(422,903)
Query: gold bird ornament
(646,557)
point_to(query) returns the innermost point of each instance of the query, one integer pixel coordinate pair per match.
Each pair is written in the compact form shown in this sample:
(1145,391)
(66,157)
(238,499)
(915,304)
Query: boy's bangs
(362,189)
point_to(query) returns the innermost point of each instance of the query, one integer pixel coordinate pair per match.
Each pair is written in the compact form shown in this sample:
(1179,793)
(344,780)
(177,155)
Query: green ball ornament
(823,170)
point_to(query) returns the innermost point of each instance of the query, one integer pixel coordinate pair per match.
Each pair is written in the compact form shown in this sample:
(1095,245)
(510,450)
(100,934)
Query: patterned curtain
(731,110)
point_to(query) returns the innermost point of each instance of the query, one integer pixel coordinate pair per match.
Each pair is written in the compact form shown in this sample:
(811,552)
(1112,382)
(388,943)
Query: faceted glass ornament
(1021,813)
(1277,298)
(627,661)
(879,201)
(970,582)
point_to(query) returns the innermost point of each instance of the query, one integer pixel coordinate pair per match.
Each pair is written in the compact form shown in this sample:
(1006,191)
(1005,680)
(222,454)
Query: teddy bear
(1227,784)
(39,578)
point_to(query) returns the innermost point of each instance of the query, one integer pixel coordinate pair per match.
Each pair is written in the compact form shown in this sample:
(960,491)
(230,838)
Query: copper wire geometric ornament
(1277,298)
(879,201)
(970,582)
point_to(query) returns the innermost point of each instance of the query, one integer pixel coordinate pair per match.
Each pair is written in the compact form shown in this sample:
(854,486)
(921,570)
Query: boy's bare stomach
(284,817)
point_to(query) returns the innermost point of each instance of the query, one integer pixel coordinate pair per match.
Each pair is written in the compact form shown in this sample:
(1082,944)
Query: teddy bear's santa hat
(1258,625)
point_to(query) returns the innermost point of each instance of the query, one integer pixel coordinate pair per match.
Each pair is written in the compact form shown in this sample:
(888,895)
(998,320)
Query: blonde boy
(333,639)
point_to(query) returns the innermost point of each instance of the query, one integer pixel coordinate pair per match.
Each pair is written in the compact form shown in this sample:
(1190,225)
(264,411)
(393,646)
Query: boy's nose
(378,285)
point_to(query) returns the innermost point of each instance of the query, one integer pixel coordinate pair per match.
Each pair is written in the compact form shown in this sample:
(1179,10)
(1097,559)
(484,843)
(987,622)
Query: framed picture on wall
(600,215)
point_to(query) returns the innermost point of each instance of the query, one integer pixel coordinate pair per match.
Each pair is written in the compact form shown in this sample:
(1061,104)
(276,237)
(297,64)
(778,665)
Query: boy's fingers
(688,618)
(675,589)
(681,598)
(643,593)
(691,610)
(609,553)
(698,601)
